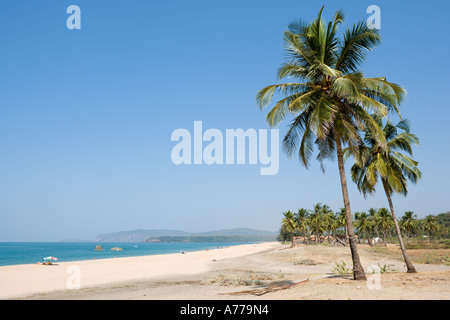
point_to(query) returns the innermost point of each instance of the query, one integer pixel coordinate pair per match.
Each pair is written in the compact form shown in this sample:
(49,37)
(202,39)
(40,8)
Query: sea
(13,253)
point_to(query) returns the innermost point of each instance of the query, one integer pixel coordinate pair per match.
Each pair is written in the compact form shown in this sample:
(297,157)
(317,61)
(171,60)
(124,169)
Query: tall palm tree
(384,222)
(301,219)
(363,224)
(330,99)
(318,221)
(430,225)
(383,159)
(329,221)
(372,212)
(342,220)
(289,224)
(332,223)
(409,223)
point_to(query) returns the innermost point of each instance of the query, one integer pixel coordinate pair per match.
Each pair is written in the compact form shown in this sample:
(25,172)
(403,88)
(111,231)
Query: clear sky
(86,116)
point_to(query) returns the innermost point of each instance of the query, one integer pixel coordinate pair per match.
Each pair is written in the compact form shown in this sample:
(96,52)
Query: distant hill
(226,235)
(138,235)
(444,219)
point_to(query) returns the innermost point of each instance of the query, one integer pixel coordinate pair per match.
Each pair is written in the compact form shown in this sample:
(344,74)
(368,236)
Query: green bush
(446,243)
(341,269)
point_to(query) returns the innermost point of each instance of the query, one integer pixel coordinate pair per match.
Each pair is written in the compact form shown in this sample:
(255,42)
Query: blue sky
(86,115)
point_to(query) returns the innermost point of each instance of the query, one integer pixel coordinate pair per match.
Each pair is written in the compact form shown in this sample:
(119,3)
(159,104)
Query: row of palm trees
(321,220)
(339,111)
(411,226)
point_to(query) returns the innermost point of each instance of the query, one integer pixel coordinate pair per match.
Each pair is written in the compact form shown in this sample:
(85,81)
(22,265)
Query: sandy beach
(255,271)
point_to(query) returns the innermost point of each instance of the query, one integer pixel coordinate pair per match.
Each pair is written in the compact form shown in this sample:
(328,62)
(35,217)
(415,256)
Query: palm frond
(356,44)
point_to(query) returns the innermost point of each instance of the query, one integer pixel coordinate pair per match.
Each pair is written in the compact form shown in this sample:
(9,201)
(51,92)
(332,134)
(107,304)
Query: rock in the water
(98,248)
(116,249)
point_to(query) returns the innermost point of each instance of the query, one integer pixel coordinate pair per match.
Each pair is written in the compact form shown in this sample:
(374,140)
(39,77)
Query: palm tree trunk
(346,233)
(409,265)
(358,270)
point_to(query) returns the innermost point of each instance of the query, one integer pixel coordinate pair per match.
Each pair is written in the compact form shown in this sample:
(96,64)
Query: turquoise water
(12,253)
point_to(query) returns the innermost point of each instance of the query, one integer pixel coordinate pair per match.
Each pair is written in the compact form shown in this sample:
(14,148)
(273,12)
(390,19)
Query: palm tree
(288,223)
(383,159)
(372,212)
(317,221)
(342,220)
(301,219)
(331,99)
(363,224)
(409,223)
(332,223)
(430,225)
(384,222)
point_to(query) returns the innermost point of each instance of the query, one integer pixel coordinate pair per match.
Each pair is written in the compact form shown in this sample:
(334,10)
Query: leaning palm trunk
(346,232)
(358,271)
(409,265)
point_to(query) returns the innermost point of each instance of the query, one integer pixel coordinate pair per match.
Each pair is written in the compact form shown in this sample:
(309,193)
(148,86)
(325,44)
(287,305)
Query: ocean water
(12,253)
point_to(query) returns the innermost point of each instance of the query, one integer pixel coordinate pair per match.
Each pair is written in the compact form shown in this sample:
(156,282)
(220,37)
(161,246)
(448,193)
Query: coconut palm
(332,223)
(318,221)
(383,159)
(330,99)
(384,222)
(409,223)
(372,212)
(364,224)
(430,225)
(289,224)
(301,219)
(342,220)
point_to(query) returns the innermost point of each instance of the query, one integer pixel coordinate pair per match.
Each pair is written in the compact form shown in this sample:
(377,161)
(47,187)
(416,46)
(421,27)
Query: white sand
(26,280)
(195,275)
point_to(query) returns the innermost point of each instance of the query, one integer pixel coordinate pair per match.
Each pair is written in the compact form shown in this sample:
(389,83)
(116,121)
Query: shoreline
(225,273)
(214,247)
(18,281)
